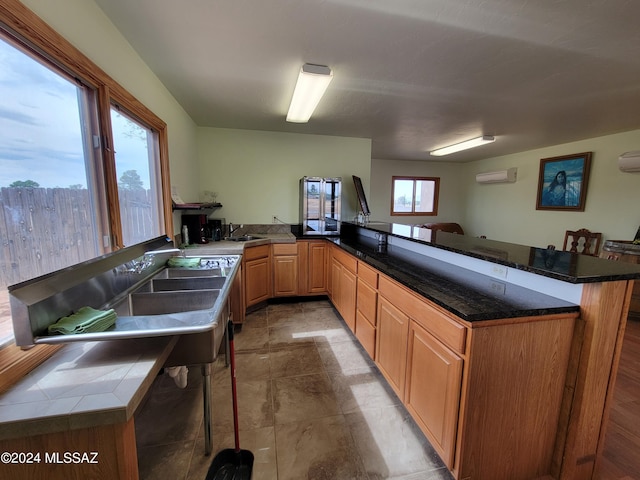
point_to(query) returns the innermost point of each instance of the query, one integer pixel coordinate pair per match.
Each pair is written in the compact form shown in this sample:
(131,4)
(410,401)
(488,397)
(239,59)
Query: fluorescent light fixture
(313,80)
(474,142)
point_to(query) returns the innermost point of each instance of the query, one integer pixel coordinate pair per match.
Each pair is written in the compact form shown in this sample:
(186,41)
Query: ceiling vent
(501,176)
(629,161)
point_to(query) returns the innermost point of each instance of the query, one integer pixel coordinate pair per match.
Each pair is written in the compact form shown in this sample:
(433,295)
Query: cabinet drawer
(429,317)
(368,274)
(260,251)
(285,248)
(345,259)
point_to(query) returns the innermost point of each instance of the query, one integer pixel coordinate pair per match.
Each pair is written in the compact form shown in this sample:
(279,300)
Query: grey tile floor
(312,405)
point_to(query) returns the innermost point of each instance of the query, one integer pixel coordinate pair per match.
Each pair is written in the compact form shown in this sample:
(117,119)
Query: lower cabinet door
(257,281)
(285,276)
(434,382)
(348,298)
(366,334)
(391,344)
(317,271)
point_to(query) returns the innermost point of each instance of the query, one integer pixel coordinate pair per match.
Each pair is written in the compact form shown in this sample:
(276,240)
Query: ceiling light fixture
(312,82)
(474,142)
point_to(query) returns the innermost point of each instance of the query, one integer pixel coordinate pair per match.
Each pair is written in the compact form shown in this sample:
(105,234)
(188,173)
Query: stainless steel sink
(187,283)
(149,299)
(243,238)
(176,301)
(190,272)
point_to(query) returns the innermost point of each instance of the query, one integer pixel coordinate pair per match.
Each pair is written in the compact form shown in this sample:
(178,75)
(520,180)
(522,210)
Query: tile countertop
(228,247)
(83,385)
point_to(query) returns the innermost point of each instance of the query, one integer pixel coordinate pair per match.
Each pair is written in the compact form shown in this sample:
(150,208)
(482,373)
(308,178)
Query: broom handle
(234,392)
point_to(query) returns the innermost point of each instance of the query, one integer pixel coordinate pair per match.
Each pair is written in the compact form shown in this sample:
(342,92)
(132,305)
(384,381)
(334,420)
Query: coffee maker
(197,227)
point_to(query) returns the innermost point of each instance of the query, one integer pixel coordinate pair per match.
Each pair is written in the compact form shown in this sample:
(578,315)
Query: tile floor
(312,405)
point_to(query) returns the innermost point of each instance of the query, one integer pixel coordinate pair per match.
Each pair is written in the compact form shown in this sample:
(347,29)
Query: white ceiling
(412,75)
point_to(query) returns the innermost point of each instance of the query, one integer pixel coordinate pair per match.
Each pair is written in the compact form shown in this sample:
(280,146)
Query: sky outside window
(40,132)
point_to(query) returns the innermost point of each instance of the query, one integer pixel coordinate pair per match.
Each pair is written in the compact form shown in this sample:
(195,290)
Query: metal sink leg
(206,393)
(227,352)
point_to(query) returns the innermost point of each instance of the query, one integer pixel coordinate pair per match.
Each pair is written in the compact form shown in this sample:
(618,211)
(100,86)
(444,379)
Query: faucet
(232,229)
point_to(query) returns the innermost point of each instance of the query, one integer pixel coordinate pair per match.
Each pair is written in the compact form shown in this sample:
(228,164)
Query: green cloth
(188,262)
(85,320)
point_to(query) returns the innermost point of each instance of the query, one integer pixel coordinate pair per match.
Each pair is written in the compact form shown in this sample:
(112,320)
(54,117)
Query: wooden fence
(46,229)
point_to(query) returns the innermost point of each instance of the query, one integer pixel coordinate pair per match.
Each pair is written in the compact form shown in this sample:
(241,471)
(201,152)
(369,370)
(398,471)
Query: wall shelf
(196,206)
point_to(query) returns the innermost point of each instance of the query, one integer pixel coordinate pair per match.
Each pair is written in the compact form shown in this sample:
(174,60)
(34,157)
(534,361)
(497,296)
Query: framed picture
(562,184)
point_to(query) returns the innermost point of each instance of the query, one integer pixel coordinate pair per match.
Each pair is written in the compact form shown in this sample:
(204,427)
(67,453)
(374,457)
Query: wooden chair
(445,227)
(582,241)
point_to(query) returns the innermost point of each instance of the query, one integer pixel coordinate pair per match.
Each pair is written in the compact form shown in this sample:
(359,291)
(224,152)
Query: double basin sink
(165,301)
(176,290)
(191,302)
(178,301)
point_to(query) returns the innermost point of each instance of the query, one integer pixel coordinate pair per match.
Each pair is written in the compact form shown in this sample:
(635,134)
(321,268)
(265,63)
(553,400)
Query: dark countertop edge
(497,314)
(575,279)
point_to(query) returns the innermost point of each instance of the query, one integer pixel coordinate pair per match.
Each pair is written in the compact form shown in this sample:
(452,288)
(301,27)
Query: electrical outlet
(498,287)
(498,271)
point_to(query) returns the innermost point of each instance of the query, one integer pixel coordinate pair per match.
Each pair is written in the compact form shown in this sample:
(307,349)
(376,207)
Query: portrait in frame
(562,184)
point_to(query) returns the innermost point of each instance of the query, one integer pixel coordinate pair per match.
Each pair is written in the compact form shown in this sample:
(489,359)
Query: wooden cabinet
(348,287)
(312,263)
(419,353)
(285,269)
(432,393)
(391,344)
(344,285)
(493,397)
(366,307)
(257,274)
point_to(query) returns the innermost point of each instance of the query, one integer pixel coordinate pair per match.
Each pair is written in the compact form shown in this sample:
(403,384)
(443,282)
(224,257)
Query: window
(415,196)
(135,147)
(65,195)
(53,210)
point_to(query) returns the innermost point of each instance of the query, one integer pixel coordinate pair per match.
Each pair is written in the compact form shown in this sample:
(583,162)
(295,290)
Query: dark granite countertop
(558,264)
(471,296)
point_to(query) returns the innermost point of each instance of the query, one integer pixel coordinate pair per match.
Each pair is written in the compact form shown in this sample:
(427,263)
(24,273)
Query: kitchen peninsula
(505,355)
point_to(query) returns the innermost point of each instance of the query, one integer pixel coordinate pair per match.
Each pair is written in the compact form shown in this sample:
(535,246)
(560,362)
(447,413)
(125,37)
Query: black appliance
(198,228)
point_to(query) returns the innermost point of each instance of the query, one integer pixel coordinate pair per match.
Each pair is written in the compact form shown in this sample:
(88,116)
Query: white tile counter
(84,384)
(71,418)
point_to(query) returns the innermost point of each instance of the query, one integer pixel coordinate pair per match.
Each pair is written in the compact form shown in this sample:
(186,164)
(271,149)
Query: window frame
(30,30)
(413,213)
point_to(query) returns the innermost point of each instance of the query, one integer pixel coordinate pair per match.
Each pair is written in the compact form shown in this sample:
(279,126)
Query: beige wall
(451,202)
(508,211)
(84,25)
(257,174)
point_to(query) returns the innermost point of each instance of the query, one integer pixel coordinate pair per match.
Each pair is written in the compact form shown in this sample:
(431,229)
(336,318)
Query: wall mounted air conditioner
(501,176)
(629,161)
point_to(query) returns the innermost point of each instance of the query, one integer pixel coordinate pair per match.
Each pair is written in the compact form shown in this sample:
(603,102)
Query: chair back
(582,241)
